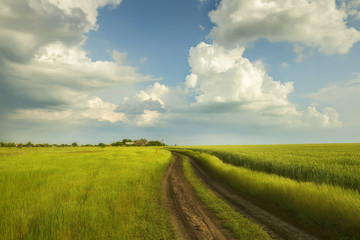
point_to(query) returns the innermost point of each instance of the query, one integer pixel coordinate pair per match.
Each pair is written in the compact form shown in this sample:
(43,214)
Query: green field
(83,193)
(316,183)
(117,192)
(334,164)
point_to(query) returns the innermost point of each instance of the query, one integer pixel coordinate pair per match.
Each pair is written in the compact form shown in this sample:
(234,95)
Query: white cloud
(42,114)
(344,96)
(352,8)
(299,50)
(154,93)
(63,74)
(103,111)
(224,76)
(327,119)
(341,94)
(284,65)
(231,87)
(319,24)
(26,26)
(148,118)
(119,57)
(89,7)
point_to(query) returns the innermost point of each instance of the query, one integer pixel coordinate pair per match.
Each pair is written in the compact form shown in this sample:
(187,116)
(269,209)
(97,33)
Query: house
(129,143)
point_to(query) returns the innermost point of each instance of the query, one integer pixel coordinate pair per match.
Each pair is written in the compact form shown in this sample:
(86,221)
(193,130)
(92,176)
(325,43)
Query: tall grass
(334,164)
(331,207)
(83,193)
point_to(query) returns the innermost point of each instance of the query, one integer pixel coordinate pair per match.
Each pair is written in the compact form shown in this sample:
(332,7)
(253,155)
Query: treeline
(125,142)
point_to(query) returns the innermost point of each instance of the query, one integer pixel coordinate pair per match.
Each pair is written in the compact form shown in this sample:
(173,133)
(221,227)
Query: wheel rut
(189,215)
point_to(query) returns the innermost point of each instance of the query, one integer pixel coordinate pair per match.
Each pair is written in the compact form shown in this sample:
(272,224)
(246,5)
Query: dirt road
(190,217)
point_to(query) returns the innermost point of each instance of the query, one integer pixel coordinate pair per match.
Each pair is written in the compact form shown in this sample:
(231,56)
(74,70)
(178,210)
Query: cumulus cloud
(224,82)
(61,74)
(25,26)
(103,111)
(328,118)
(352,8)
(225,76)
(319,24)
(42,60)
(148,118)
(154,93)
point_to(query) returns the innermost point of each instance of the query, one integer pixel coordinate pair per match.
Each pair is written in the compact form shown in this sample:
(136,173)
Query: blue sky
(188,72)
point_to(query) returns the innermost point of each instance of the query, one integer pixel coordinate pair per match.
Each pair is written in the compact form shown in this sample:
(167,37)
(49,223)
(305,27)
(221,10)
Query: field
(334,164)
(317,183)
(83,193)
(119,192)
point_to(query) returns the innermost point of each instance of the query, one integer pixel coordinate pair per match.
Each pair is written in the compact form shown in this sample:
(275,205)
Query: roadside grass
(83,193)
(335,209)
(242,227)
(333,164)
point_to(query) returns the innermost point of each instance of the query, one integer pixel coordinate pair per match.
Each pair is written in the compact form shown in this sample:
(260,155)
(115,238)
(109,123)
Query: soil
(189,215)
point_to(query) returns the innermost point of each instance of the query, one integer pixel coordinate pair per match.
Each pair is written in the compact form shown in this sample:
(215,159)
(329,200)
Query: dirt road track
(191,218)
(275,226)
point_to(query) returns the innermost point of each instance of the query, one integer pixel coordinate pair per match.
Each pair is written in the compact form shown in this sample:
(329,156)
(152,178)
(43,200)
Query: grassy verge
(333,208)
(83,193)
(242,227)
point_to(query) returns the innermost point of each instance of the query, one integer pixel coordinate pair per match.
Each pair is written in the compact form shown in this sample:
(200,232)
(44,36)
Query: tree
(117,144)
(29,144)
(74,144)
(155,143)
(124,141)
(102,145)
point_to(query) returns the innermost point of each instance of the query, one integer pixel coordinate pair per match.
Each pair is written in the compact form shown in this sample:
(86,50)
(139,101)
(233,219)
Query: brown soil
(274,221)
(189,215)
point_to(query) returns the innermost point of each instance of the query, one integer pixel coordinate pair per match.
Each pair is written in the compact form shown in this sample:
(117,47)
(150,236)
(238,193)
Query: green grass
(83,193)
(334,164)
(242,227)
(335,209)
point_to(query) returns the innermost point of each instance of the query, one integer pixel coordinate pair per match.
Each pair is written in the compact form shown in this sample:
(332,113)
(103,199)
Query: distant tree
(117,144)
(11,145)
(74,144)
(29,144)
(102,145)
(124,141)
(155,143)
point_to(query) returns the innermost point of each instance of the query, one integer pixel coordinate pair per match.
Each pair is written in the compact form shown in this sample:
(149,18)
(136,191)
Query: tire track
(189,215)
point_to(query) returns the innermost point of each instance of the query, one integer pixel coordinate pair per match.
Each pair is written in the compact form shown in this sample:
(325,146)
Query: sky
(190,72)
